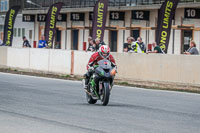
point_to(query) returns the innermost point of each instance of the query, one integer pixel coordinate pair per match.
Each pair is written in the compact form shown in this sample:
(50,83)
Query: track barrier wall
(175,69)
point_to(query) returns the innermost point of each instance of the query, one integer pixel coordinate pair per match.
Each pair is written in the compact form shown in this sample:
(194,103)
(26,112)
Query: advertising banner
(99,19)
(50,24)
(9,25)
(166,14)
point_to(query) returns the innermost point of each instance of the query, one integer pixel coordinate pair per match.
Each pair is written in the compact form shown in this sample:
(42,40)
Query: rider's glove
(90,69)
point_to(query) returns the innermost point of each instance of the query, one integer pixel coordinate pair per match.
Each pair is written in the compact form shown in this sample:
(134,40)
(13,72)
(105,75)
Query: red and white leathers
(96,57)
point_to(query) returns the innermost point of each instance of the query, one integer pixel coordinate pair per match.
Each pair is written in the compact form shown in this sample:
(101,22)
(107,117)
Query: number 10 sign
(192,13)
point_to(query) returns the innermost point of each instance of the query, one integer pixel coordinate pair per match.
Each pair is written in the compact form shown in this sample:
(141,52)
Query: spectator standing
(157,48)
(89,43)
(92,46)
(192,49)
(99,43)
(42,43)
(127,46)
(26,43)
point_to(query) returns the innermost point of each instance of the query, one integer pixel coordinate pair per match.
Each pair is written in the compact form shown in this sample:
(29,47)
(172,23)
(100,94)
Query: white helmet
(104,51)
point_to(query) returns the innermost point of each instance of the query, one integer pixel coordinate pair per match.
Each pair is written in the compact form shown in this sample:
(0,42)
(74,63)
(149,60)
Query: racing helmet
(104,51)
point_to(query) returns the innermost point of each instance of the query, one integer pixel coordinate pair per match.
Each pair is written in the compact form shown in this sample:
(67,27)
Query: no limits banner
(9,25)
(50,24)
(99,19)
(167,11)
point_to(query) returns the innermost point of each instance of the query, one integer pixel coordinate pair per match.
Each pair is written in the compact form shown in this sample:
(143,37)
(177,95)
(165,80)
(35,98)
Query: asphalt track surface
(41,105)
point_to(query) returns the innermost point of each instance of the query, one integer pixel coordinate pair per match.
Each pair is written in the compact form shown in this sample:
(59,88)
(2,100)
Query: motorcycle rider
(103,53)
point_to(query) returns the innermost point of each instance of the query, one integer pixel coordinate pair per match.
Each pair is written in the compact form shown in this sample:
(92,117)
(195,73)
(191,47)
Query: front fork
(94,87)
(101,87)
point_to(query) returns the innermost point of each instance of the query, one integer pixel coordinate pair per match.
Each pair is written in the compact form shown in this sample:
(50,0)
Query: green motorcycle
(100,83)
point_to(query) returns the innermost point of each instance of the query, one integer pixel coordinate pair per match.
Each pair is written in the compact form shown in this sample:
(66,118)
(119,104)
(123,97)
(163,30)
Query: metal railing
(28,4)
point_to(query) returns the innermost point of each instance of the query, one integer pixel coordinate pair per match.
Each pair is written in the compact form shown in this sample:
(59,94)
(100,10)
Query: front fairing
(103,72)
(104,68)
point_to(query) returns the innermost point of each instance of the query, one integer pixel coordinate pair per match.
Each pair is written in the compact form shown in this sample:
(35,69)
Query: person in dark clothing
(157,48)
(26,43)
(127,46)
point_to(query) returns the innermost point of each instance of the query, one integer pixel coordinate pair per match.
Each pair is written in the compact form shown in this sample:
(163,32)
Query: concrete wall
(80,62)
(18,57)
(178,69)
(60,61)
(155,67)
(3,56)
(46,60)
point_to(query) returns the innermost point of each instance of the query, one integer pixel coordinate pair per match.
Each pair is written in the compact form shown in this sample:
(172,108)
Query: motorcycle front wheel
(105,94)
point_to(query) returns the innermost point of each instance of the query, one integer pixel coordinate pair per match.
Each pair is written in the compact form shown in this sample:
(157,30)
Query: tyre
(105,94)
(89,98)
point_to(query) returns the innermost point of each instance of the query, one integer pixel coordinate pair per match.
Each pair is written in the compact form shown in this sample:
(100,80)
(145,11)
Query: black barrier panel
(114,15)
(62,17)
(193,13)
(140,15)
(77,16)
(42,17)
(28,18)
